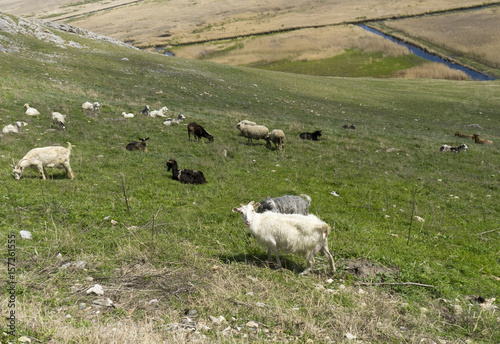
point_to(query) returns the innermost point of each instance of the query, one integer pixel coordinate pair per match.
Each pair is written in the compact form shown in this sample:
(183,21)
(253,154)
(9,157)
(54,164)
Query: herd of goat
(278,224)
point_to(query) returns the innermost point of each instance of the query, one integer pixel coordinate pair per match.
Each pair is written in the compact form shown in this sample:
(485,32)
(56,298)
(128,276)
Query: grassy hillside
(182,246)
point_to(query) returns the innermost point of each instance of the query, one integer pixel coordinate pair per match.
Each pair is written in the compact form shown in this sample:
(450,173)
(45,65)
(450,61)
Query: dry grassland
(473,34)
(150,23)
(294,45)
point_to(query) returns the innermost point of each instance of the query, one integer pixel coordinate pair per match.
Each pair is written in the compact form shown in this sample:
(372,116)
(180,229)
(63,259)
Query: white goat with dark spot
(287,204)
(293,233)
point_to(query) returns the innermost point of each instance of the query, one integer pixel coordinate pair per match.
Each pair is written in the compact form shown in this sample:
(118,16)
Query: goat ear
(256,205)
(146,139)
(251,203)
(236,210)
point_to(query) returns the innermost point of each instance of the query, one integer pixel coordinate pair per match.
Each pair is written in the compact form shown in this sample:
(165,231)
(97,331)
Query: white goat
(91,109)
(58,120)
(277,136)
(293,233)
(158,113)
(9,128)
(31,111)
(52,156)
(446,148)
(178,120)
(254,132)
(127,115)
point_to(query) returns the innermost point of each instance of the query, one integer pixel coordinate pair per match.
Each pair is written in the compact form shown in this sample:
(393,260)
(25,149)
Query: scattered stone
(350,336)
(82,305)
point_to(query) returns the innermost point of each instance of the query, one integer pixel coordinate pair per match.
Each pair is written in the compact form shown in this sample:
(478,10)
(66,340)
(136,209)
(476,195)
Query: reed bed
(470,34)
(432,70)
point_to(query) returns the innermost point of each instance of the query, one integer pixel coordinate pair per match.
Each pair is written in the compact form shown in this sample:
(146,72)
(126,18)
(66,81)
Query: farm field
(414,230)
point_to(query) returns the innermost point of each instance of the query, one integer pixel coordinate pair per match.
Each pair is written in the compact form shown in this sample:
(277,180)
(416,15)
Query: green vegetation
(352,63)
(182,245)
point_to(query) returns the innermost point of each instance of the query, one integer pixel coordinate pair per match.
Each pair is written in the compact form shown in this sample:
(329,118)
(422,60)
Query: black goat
(311,136)
(185,176)
(140,146)
(145,111)
(198,132)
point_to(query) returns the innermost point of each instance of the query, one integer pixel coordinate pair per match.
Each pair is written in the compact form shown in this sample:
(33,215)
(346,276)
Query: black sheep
(198,132)
(311,136)
(185,176)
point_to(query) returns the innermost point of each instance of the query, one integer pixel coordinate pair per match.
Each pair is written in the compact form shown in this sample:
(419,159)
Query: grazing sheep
(9,128)
(311,136)
(465,136)
(198,131)
(170,121)
(52,156)
(185,176)
(31,111)
(277,136)
(446,148)
(140,146)
(158,113)
(244,122)
(127,115)
(91,109)
(145,111)
(58,120)
(476,139)
(254,132)
(293,233)
(286,205)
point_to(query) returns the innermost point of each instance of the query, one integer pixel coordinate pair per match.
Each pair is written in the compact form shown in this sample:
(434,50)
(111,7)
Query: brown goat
(198,131)
(465,136)
(481,141)
(140,146)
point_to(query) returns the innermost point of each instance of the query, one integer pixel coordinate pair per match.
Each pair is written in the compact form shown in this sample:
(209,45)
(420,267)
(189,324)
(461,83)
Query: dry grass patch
(432,70)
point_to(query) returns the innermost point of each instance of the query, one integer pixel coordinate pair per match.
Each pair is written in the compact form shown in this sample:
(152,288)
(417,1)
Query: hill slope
(178,251)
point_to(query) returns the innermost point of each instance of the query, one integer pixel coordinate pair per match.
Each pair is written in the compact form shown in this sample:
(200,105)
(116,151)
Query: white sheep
(31,111)
(244,122)
(158,113)
(254,132)
(52,156)
(127,115)
(91,109)
(9,128)
(277,136)
(293,233)
(58,120)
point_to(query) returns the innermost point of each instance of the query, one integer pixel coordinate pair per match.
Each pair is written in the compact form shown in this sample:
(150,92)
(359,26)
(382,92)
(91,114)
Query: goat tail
(307,198)
(69,146)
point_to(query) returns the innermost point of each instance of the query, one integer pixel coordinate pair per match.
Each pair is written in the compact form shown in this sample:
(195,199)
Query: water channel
(431,57)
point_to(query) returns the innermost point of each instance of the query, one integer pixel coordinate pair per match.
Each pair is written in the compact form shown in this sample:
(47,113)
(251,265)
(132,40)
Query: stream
(474,75)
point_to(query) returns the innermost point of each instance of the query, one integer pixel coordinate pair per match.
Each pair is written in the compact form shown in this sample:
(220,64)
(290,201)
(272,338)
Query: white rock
(252,324)
(25,234)
(218,320)
(350,336)
(96,289)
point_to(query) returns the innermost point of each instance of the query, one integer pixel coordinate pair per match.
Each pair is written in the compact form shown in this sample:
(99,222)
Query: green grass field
(182,245)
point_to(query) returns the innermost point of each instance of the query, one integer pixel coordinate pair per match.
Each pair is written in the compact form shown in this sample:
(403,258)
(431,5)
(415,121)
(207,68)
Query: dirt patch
(364,269)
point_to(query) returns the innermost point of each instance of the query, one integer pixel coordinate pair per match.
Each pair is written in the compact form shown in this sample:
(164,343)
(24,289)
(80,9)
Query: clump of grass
(432,70)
